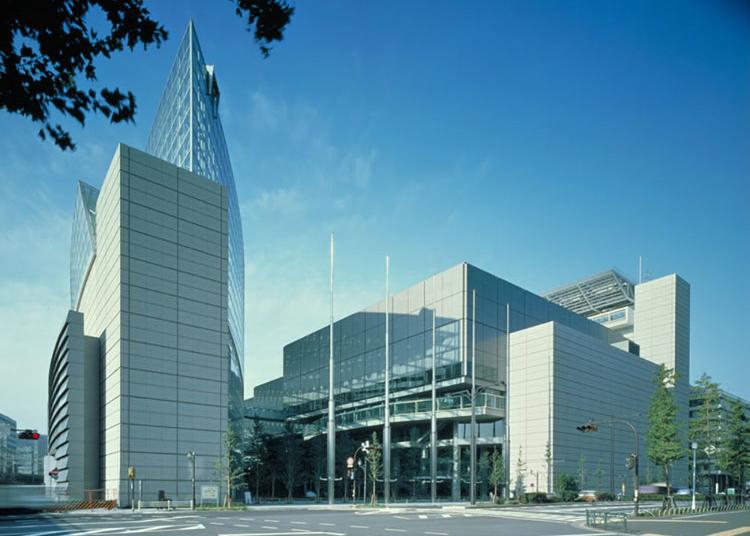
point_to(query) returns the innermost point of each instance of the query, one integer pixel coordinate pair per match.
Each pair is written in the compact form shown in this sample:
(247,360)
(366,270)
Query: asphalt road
(715,524)
(543,520)
(293,521)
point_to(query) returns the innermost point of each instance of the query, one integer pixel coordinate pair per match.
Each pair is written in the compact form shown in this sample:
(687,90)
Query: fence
(607,520)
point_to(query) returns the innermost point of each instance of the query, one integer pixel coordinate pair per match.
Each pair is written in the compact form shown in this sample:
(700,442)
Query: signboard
(210,493)
(54,473)
(131,472)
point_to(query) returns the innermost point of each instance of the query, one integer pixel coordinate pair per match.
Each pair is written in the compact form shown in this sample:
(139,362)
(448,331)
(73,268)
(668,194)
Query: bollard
(169,504)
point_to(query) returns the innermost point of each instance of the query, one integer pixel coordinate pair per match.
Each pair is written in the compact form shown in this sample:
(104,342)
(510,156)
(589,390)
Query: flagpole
(473,458)
(387,413)
(433,416)
(331,401)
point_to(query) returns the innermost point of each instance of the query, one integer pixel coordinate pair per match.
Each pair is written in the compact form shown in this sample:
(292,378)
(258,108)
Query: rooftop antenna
(640,269)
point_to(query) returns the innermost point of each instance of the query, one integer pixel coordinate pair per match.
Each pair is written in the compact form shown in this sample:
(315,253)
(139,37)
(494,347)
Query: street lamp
(592,426)
(693,446)
(191,457)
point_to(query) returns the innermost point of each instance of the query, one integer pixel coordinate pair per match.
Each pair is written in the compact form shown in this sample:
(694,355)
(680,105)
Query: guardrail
(607,520)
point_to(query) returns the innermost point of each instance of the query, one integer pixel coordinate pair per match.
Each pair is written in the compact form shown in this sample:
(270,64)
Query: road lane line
(436,533)
(395,530)
(270,521)
(732,532)
(327,524)
(359,526)
(298,522)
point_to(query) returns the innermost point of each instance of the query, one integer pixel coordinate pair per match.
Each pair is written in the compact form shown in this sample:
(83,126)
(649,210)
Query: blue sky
(541,141)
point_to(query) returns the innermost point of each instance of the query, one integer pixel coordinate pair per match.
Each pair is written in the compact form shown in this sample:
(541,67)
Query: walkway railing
(408,410)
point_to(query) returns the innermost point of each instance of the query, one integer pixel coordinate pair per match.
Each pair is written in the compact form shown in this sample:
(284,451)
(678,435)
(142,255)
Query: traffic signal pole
(592,426)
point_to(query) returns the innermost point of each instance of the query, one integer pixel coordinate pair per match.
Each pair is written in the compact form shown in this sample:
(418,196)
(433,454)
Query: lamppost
(693,446)
(191,457)
(592,426)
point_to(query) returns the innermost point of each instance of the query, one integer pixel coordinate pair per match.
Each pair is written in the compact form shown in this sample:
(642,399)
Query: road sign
(54,473)
(210,492)
(131,473)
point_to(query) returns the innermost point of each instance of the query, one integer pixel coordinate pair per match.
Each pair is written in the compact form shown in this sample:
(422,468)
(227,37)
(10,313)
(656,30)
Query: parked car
(586,495)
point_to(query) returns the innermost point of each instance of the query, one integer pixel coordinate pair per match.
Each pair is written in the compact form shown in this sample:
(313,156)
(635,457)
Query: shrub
(535,497)
(605,496)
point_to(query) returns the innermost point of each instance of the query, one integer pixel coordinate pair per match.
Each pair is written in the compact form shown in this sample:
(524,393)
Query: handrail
(455,401)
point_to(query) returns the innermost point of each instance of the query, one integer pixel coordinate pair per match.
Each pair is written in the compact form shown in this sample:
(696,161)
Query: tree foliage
(374,465)
(291,458)
(229,467)
(664,444)
(735,448)
(497,471)
(520,474)
(705,423)
(48,51)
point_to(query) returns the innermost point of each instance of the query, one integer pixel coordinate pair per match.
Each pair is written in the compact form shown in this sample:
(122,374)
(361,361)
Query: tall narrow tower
(187,132)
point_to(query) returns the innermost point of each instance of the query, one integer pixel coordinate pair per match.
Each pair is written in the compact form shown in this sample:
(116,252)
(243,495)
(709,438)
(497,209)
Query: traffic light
(28,434)
(588,427)
(630,461)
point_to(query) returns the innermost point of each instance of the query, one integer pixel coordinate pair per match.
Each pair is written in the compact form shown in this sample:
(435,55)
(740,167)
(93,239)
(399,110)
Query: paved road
(715,524)
(290,522)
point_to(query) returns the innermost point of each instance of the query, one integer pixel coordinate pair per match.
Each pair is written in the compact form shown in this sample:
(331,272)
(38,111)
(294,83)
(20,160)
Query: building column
(456,482)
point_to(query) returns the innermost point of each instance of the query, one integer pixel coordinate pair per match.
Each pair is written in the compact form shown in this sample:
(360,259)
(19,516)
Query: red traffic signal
(28,434)
(588,427)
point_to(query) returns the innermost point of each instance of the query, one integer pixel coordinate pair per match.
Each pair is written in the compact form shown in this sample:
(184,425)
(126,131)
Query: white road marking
(285,534)
(436,533)
(327,524)
(242,526)
(298,522)
(395,530)
(215,523)
(422,516)
(359,526)
(270,521)
(272,528)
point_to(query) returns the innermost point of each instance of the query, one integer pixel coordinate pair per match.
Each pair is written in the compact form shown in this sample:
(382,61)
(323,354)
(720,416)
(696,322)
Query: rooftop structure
(596,294)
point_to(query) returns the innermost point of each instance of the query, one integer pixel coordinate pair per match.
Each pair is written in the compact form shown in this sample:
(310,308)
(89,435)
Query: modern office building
(30,455)
(140,371)
(187,132)
(8,443)
(148,364)
(564,369)
(709,475)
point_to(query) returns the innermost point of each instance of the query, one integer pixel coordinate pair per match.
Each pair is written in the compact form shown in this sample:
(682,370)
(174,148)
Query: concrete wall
(157,299)
(561,378)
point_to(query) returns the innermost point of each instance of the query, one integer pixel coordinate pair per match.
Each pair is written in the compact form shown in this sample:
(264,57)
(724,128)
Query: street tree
(735,448)
(374,465)
(229,468)
(291,456)
(665,446)
(256,453)
(548,464)
(317,462)
(705,423)
(582,471)
(49,51)
(483,472)
(497,471)
(520,474)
